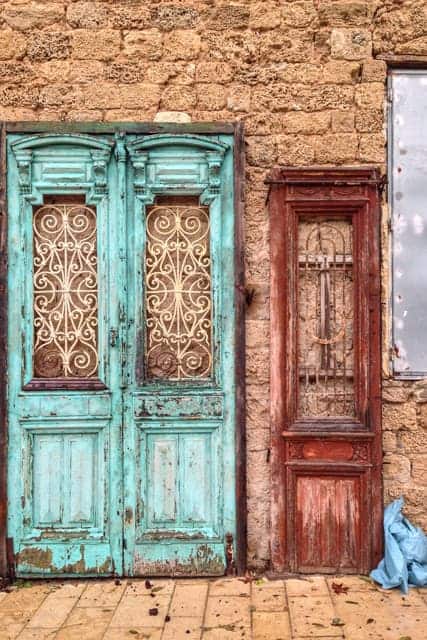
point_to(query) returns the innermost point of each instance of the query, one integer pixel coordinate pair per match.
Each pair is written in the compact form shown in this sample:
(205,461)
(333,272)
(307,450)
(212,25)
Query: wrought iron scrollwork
(65,285)
(178,297)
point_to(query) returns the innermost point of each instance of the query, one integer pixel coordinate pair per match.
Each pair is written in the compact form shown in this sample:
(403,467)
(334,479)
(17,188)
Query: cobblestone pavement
(224,609)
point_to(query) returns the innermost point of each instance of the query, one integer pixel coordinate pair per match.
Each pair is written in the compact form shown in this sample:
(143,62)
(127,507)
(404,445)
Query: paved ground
(225,609)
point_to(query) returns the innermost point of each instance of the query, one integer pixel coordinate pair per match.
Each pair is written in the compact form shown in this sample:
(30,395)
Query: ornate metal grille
(65,292)
(178,297)
(325,318)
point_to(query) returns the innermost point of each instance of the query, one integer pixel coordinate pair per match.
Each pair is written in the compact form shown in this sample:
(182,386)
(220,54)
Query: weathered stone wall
(304,78)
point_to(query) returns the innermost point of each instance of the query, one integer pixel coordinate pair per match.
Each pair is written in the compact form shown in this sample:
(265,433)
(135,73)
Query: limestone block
(258,366)
(124,72)
(344,13)
(239,98)
(372,148)
(265,16)
(370,95)
(419,468)
(257,333)
(86,71)
(133,16)
(351,44)
(229,16)
(174,16)
(336,148)
(374,71)
(33,15)
(102,95)
(211,97)
(286,45)
(389,442)
(412,442)
(341,72)
(395,392)
(19,96)
(342,121)
(143,45)
(87,15)
(139,96)
(261,151)
(399,416)
(295,150)
(48,45)
(396,467)
(214,72)
(299,14)
(304,73)
(12,44)
(370,120)
(393,29)
(300,122)
(104,46)
(16,73)
(182,45)
(176,98)
(172,116)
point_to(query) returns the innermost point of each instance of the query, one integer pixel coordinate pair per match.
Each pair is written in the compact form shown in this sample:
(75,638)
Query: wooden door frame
(354,188)
(237,130)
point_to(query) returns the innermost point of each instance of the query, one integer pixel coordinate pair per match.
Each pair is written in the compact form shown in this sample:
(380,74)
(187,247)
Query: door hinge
(230,565)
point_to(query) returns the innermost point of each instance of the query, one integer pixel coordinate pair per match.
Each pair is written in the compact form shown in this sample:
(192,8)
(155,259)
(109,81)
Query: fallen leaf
(369,620)
(167,618)
(317,624)
(154,611)
(337,622)
(148,584)
(338,587)
(351,602)
(133,631)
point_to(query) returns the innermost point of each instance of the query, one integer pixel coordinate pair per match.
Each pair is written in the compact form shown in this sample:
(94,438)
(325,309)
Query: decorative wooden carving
(325,370)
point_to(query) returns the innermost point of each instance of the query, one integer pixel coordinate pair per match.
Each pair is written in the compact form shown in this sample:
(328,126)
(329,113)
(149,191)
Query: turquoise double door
(121,452)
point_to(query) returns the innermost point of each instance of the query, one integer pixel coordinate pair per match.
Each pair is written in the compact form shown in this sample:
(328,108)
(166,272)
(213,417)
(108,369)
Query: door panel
(65,404)
(121,354)
(179,402)
(325,373)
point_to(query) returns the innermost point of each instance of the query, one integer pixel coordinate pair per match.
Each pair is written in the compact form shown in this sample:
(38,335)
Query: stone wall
(304,78)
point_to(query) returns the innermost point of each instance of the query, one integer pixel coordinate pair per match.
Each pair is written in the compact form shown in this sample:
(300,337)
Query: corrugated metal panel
(408,172)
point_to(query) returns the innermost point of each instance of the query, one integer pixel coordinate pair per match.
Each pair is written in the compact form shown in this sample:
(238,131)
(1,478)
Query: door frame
(236,555)
(354,189)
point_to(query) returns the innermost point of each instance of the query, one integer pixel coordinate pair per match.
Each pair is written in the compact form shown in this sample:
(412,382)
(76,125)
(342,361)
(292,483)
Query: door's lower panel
(69,558)
(328,504)
(173,558)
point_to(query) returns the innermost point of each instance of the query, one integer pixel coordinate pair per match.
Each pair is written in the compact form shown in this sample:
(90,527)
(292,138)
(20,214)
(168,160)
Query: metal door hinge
(230,565)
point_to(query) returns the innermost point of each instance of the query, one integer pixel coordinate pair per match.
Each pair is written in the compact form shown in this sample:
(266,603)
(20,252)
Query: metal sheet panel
(408,171)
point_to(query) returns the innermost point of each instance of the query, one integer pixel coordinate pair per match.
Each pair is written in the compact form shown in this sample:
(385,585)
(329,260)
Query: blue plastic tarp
(405,554)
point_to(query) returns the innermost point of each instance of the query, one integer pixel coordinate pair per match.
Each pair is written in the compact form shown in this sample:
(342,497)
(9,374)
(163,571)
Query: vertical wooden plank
(3,356)
(240,367)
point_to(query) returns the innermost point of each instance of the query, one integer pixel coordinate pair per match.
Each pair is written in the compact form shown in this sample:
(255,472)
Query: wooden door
(122,392)
(65,402)
(179,460)
(325,370)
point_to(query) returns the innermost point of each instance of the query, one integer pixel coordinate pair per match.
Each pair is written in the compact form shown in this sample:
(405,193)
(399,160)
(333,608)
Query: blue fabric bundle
(405,556)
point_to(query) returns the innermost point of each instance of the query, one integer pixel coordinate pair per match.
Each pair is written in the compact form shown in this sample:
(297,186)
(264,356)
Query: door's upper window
(178,291)
(65,289)
(408,180)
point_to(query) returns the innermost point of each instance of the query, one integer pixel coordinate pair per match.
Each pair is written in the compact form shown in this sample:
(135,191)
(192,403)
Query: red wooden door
(325,370)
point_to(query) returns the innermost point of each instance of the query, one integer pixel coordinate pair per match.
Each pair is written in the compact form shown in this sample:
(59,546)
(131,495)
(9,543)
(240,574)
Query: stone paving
(202,609)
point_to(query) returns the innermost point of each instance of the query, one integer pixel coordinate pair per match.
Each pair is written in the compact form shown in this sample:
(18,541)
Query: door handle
(113,337)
